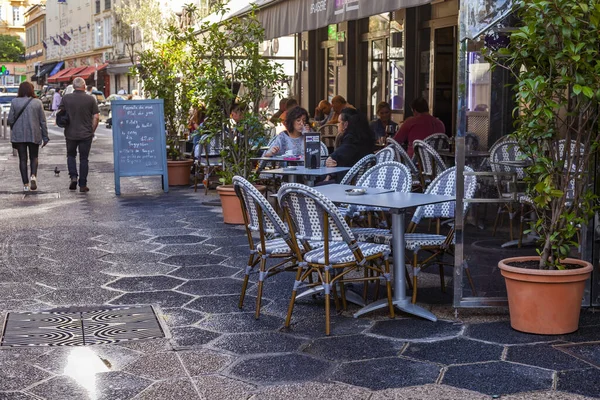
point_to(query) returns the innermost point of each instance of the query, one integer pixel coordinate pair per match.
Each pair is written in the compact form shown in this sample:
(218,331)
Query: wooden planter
(545,302)
(232,208)
(179,172)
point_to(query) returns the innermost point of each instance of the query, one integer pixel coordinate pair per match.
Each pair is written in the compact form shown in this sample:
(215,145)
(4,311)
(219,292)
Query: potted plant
(232,75)
(553,57)
(165,75)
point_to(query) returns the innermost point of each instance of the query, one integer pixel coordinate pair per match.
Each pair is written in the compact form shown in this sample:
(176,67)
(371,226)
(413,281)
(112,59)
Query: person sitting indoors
(383,124)
(276,118)
(290,140)
(338,103)
(322,112)
(354,141)
(291,103)
(419,126)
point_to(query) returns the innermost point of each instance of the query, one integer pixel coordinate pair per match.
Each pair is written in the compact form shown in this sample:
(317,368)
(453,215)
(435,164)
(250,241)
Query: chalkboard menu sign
(312,150)
(139,140)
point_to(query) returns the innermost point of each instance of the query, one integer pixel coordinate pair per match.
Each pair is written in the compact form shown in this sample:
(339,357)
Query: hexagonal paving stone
(166,298)
(146,283)
(280,368)
(385,373)
(235,240)
(416,328)
(261,343)
(78,296)
(314,390)
(589,352)
(224,304)
(498,378)
(205,287)
(17,396)
(544,356)
(454,351)
(204,272)
(191,336)
(176,249)
(583,382)
(501,332)
(180,316)
(157,366)
(58,358)
(241,322)
(584,334)
(61,387)
(170,389)
(220,387)
(201,362)
(357,347)
(187,260)
(133,258)
(17,375)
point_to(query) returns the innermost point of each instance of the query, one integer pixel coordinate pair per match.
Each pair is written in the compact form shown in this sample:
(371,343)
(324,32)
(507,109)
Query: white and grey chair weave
(439,141)
(312,216)
(386,154)
(430,162)
(358,169)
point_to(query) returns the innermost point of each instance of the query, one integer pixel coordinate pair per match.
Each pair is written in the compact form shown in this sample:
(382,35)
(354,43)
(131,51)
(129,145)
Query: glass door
(377,88)
(444,72)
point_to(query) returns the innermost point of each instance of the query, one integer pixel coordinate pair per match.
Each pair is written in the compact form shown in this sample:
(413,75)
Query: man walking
(83,120)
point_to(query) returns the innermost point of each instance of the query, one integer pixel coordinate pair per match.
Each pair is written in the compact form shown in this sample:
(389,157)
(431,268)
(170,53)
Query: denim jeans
(84,147)
(33,158)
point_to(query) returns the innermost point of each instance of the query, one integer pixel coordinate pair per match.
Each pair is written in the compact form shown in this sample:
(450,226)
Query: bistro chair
(436,245)
(439,141)
(402,156)
(430,163)
(209,160)
(259,216)
(328,134)
(506,176)
(386,154)
(313,217)
(471,142)
(358,169)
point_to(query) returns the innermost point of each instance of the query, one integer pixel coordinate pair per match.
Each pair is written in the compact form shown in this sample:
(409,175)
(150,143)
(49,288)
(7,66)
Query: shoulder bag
(20,112)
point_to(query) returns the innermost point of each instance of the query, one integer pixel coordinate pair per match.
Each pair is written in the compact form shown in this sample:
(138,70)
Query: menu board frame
(119,136)
(312,148)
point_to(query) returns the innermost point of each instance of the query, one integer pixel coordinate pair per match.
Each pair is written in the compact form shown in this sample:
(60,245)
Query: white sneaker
(26,187)
(94,139)
(33,182)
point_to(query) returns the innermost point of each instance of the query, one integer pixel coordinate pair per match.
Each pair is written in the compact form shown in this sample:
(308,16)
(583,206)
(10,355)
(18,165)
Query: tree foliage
(554,56)
(11,49)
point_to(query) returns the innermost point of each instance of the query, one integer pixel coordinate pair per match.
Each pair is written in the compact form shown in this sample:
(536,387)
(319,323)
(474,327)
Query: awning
(56,68)
(54,78)
(295,16)
(66,77)
(89,71)
(119,69)
(45,69)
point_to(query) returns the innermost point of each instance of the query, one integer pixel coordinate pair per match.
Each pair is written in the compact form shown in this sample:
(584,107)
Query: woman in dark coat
(354,141)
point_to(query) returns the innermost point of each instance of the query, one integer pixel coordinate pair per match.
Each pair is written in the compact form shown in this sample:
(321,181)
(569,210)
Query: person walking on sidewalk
(83,120)
(28,130)
(56,98)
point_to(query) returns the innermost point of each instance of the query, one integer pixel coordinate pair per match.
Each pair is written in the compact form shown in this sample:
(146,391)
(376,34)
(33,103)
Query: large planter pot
(232,208)
(179,172)
(545,302)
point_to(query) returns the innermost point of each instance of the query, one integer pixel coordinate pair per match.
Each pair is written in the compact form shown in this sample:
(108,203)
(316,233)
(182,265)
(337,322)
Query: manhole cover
(80,328)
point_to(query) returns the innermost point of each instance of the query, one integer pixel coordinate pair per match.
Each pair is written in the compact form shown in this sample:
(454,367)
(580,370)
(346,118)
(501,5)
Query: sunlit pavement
(73,251)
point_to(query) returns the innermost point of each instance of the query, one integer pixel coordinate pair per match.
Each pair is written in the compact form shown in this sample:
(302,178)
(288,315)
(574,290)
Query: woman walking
(56,99)
(28,131)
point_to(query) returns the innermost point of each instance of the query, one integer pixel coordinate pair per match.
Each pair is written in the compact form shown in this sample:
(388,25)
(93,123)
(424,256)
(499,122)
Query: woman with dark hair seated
(290,140)
(354,141)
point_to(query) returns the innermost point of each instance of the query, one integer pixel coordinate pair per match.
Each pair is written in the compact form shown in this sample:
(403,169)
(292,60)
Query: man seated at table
(419,126)
(383,125)
(290,141)
(323,112)
(338,103)
(276,118)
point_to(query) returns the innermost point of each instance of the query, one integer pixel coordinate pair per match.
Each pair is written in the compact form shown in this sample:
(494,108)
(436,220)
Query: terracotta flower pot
(232,208)
(545,302)
(179,172)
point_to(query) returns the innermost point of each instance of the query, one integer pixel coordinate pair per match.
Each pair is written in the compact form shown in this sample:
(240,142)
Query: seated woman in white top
(291,140)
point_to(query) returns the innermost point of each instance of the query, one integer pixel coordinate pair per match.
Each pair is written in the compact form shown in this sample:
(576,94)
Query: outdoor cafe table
(292,173)
(397,203)
(468,153)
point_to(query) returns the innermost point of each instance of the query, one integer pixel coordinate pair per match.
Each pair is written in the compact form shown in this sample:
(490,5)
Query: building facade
(35,32)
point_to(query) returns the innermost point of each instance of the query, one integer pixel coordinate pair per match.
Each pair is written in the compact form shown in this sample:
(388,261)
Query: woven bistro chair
(430,162)
(386,154)
(435,244)
(358,169)
(209,161)
(328,134)
(402,156)
(311,217)
(259,216)
(439,141)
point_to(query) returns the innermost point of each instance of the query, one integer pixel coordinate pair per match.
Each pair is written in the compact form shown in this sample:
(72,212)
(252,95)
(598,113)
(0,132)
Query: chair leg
(261,280)
(246,277)
(388,285)
(336,299)
(288,318)
(415,272)
(343,293)
(327,305)
(408,279)
(365,284)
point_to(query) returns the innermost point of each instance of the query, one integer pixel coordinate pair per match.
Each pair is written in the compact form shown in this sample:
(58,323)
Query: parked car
(5,100)
(9,89)
(105,105)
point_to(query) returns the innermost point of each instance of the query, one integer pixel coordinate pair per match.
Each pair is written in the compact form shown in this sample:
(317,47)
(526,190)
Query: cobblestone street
(74,252)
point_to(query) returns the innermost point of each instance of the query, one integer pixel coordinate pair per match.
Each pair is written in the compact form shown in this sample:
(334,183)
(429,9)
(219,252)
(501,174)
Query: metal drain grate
(80,328)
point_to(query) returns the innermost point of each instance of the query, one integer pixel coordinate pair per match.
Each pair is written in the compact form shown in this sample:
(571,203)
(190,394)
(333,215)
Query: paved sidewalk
(74,251)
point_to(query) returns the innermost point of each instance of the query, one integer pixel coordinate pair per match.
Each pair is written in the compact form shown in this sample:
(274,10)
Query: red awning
(89,71)
(53,78)
(67,77)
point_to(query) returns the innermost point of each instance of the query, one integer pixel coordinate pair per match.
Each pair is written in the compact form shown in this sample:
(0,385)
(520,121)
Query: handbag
(19,113)
(62,118)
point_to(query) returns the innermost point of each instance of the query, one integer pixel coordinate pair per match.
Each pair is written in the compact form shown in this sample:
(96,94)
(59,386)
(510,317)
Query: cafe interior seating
(313,217)
(386,154)
(430,163)
(402,156)
(358,169)
(328,134)
(439,141)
